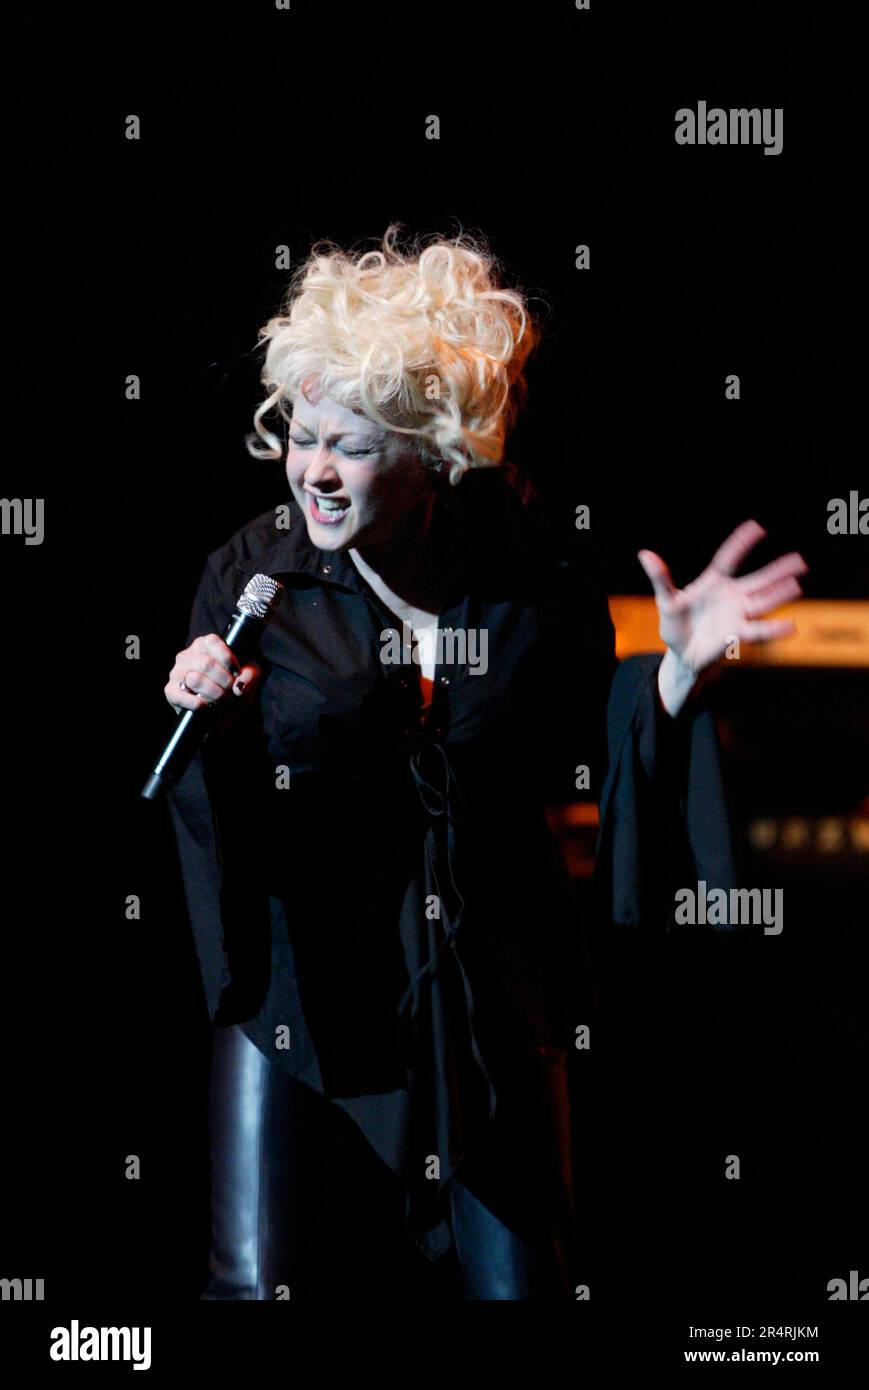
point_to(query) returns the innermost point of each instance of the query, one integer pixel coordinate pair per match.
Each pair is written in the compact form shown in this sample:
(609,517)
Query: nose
(321,470)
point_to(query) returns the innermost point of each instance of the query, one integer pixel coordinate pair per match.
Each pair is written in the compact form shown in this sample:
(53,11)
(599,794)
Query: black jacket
(401,906)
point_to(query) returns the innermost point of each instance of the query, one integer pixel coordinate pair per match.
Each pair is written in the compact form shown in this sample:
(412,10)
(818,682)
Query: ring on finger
(184,686)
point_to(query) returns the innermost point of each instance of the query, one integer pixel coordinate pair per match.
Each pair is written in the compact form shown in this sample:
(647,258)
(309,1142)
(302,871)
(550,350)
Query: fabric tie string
(441,798)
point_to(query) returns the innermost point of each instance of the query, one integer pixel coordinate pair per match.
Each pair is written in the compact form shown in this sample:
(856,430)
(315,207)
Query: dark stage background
(157,258)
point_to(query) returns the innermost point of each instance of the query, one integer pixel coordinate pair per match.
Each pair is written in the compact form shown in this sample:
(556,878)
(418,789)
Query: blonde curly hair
(425,342)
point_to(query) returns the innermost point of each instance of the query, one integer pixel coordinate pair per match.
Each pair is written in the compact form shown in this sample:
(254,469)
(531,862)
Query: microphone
(253,611)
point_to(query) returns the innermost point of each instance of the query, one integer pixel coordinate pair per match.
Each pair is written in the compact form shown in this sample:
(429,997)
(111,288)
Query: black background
(157,258)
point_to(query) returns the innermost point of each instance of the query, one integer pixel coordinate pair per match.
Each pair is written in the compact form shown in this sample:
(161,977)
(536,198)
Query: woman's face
(357,484)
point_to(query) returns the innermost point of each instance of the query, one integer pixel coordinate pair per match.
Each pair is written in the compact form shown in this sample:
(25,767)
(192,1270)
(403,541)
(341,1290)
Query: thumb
(657,572)
(246,680)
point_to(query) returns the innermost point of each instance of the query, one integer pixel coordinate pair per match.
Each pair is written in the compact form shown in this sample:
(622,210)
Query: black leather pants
(269,1138)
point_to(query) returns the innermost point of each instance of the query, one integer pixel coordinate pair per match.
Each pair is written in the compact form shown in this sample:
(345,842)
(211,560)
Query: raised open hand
(699,622)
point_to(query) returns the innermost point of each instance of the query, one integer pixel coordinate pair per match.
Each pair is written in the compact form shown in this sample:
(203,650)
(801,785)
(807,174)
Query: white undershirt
(423,625)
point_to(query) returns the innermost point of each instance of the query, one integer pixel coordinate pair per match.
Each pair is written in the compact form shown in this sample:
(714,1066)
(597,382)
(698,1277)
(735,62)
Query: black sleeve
(664,819)
(217,814)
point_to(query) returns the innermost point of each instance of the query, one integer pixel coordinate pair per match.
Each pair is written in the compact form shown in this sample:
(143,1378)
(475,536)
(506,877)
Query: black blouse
(379,902)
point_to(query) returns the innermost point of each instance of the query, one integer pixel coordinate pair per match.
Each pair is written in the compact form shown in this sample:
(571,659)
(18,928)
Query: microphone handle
(242,637)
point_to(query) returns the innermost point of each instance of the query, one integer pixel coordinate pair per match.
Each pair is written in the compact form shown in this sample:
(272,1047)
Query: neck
(410,564)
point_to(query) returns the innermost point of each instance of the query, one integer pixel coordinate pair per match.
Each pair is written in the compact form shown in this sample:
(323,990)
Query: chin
(324,538)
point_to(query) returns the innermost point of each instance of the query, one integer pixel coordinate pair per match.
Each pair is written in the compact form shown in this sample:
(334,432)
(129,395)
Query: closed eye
(351,453)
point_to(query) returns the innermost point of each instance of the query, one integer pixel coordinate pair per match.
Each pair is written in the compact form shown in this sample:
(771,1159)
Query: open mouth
(329,510)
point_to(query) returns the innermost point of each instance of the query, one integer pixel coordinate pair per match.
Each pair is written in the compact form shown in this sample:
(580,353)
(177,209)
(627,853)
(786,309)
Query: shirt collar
(291,551)
(472,524)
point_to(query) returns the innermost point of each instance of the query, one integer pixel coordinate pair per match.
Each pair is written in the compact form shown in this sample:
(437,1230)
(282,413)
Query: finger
(182,700)
(201,685)
(772,596)
(657,572)
(179,699)
(730,554)
(245,680)
(202,657)
(776,569)
(216,651)
(768,630)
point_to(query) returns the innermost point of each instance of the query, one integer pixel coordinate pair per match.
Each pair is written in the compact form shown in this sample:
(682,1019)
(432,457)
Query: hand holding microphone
(208,674)
(206,679)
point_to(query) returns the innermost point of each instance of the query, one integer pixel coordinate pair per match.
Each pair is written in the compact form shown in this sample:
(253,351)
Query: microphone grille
(261,597)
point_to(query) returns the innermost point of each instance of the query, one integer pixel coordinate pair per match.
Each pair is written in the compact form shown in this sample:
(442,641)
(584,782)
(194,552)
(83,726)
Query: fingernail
(239,687)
